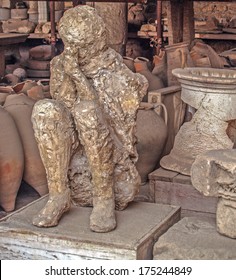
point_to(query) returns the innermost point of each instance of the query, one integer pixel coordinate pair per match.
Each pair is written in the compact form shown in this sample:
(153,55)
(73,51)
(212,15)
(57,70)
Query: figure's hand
(84,89)
(71,64)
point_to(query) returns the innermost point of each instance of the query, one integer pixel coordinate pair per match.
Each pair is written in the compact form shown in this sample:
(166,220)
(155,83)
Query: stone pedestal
(213,93)
(194,239)
(139,226)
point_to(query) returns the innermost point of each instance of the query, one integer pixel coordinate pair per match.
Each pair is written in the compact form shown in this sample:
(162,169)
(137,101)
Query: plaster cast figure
(86,132)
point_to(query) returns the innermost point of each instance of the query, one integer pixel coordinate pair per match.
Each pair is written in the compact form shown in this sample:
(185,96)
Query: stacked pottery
(59,10)
(141,66)
(43,11)
(39,62)
(19,13)
(33,11)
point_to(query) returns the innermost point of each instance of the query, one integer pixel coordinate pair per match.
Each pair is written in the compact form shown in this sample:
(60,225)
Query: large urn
(213,93)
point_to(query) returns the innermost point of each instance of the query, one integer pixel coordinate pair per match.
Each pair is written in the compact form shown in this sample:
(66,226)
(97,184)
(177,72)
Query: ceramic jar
(19,106)
(141,66)
(151,135)
(11,161)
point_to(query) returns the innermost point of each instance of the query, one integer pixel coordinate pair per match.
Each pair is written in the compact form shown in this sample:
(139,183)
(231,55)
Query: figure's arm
(84,88)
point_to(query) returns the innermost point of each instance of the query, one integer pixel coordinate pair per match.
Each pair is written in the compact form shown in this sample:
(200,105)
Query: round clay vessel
(4,14)
(3,96)
(141,66)
(36,92)
(19,14)
(20,73)
(24,86)
(42,52)
(38,64)
(38,73)
(12,79)
(129,62)
(34,17)
(20,107)
(151,135)
(11,161)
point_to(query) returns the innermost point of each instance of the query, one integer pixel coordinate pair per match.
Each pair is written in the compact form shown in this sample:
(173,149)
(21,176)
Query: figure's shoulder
(57,60)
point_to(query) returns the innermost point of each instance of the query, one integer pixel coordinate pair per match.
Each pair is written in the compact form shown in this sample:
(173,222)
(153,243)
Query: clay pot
(141,66)
(19,13)
(20,73)
(24,86)
(11,161)
(36,92)
(38,73)
(42,52)
(33,7)
(160,66)
(12,79)
(178,56)
(4,14)
(59,5)
(129,62)
(151,135)
(205,50)
(11,67)
(38,64)
(6,89)
(58,15)
(34,17)
(3,97)
(20,107)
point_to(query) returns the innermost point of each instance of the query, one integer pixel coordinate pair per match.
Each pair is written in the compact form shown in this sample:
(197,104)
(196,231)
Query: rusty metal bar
(53,27)
(159,25)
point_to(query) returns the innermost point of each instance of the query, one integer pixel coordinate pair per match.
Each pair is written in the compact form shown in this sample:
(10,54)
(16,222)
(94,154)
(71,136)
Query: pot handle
(148,106)
(164,110)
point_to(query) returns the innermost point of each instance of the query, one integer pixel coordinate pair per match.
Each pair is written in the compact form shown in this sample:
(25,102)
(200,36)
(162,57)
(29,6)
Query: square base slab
(194,238)
(138,227)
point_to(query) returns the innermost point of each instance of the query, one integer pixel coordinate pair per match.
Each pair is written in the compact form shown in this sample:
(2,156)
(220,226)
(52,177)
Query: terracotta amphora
(129,62)
(20,107)
(151,136)
(141,66)
(11,161)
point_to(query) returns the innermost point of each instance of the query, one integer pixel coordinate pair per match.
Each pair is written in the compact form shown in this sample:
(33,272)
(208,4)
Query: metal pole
(53,27)
(159,26)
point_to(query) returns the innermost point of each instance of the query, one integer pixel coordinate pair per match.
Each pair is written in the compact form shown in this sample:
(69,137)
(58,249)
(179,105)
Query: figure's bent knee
(48,109)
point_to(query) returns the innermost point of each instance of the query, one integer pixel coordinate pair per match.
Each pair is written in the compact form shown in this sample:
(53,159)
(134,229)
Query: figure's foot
(56,206)
(103,217)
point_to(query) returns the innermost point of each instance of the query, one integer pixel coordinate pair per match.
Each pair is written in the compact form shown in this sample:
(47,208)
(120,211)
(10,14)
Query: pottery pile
(38,64)
(22,17)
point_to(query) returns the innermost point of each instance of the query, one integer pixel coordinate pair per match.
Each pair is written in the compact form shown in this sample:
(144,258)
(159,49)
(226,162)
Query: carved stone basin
(213,93)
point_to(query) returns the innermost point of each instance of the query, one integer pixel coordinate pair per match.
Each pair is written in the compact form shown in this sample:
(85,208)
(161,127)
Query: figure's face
(81,27)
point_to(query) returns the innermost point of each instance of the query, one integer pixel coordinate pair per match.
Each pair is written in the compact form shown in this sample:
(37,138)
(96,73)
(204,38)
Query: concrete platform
(138,228)
(194,238)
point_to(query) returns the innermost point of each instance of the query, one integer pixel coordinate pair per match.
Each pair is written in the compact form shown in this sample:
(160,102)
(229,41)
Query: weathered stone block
(194,239)
(139,226)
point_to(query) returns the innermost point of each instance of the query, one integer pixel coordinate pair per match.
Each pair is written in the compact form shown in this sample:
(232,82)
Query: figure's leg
(55,134)
(98,145)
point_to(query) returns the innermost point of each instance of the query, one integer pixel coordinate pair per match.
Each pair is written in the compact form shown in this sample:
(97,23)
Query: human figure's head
(83,30)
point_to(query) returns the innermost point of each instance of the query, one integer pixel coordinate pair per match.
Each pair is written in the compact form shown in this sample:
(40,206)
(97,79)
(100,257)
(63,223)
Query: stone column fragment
(214,174)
